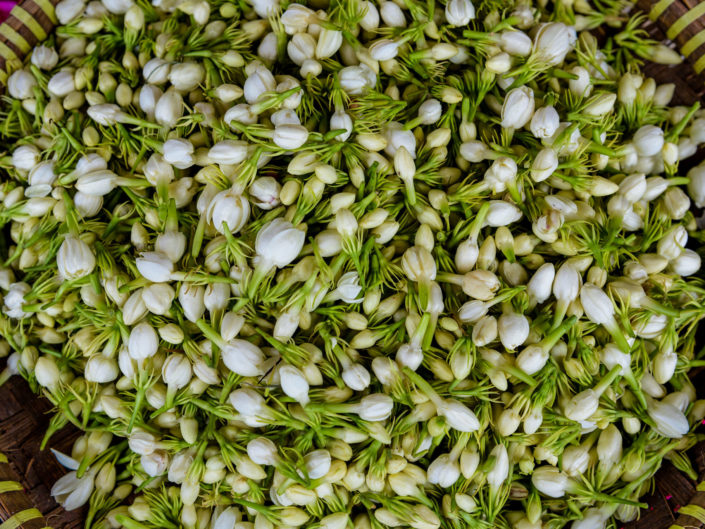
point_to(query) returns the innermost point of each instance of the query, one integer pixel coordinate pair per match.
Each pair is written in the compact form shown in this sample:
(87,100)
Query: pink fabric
(5,8)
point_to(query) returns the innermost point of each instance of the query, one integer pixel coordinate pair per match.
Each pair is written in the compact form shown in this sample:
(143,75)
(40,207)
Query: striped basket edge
(21,513)
(692,515)
(683,21)
(29,23)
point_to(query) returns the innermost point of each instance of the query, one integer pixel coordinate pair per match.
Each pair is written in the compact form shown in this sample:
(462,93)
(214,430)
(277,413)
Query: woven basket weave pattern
(682,21)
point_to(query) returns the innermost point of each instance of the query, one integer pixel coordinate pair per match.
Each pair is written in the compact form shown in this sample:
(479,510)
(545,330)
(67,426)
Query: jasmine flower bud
(459,12)
(418,264)
(648,140)
(553,41)
(544,122)
(47,372)
(178,152)
(44,57)
(515,43)
(375,407)
(392,15)
(228,210)
(262,451)
(21,84)
(357,80)
(550,481)
(500,470)
(518,108)
(670,421)
(101,369)
(176,371)
(672,244)
(242,357)
(687,263)
(513,330)
(155,266)
(288,136)
(443,471)
(158,297)
(318,463)
(294,384)
(74,259)
(278,243)
(143,342)
(191,300)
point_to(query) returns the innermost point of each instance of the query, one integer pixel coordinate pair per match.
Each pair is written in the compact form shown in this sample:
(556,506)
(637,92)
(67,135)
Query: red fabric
(5,8)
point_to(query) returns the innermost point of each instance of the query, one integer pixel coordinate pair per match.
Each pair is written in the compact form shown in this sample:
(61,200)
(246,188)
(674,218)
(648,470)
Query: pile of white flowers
(353,264)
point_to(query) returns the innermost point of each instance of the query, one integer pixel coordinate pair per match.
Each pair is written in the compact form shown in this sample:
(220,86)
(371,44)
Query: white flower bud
(262,451)
(443,471)
(158,298)
(582,406)
(459,12)
(687,263)
(317,463)
(101,369)
(97,183)
(289,136)
(676,203)
(21,84)
(74,259)
(176,371)
(357,80)
(329,42)
(582,86)
(670,421)
(664,366)
(178,152)
(250,404)
(597,305)
(230,152)
(375,407)
(672,244)
(392,15)
(296,18)
(25,157)
(648,140)
(44,57)
(294,383)
(155,266)
(502,171)
(518,108)
(513,330)
(553,42)
(61,84)
(47,372)
(502,213)
(550,481)
(508,422)
(458,416)
(143,342)
(278,243)
(242,357)
(696,186)
(599,105)
(500,470)
(418,264)
(545,122)
(191,300)
(228,210)
(430,111)
(540,285)
(258,82)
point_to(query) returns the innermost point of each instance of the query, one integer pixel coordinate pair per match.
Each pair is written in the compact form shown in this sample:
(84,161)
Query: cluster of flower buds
(353,263)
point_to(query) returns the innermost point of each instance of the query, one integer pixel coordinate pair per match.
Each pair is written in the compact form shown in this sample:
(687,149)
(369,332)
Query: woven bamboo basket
(27,473)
